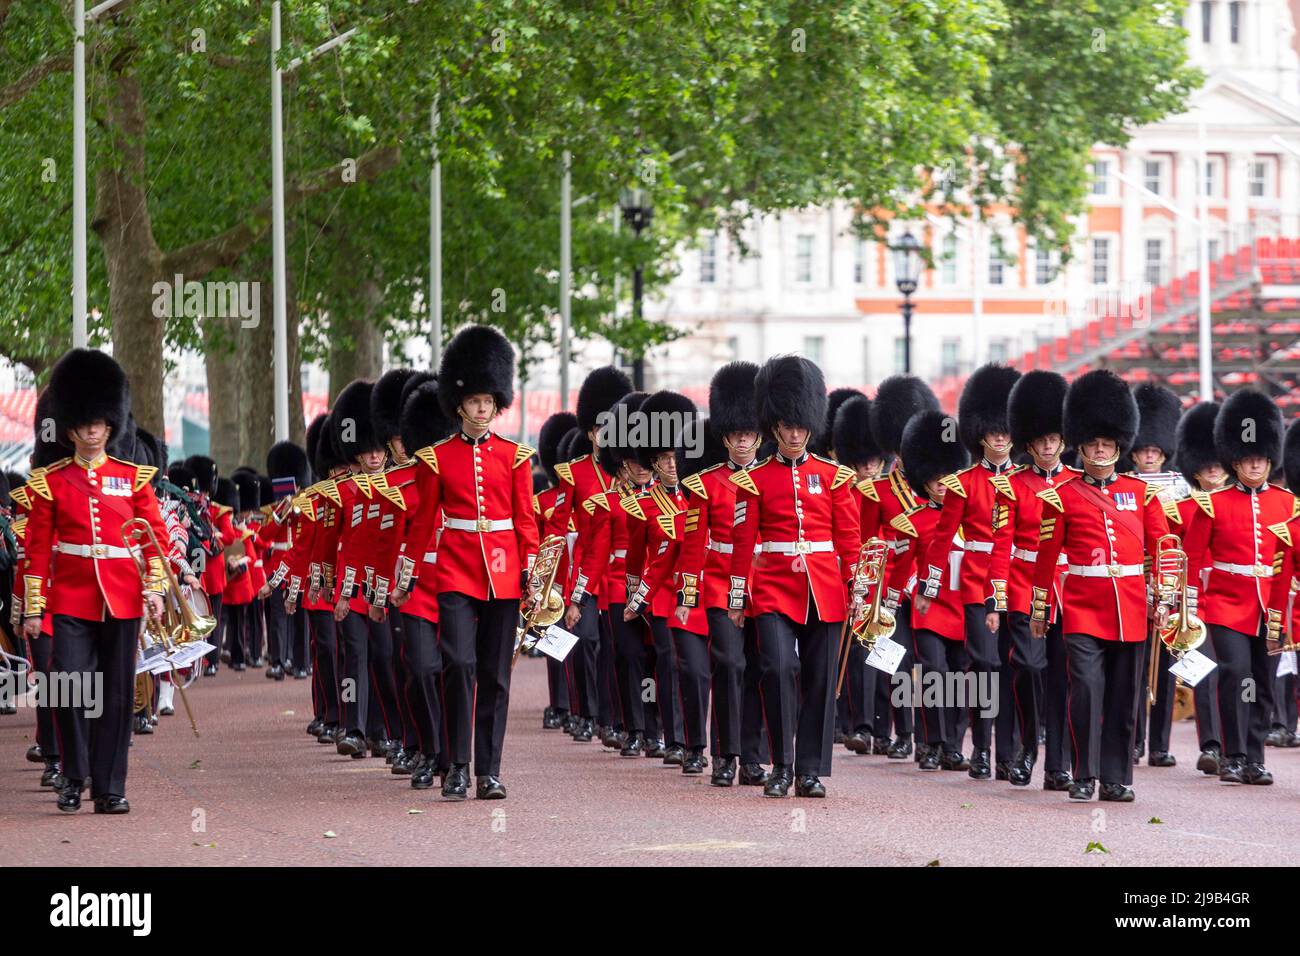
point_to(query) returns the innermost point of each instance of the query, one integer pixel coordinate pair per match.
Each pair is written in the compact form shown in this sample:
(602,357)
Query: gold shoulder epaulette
(695,485)
(537,505)
(1170,508)
(901,522)
(224,509)
(20,495)
(429,457)
(843,476)
(330,489)
(1053,498)
(596,501)
(1152,491)
(380,484)
(743,479)
(362,481)
(953,484)
(143,475)
(823,459)
(522,454)
(1283,531)
(902,490)
(1204,500)
(1002,483)
(665,504)
(631,506)
(668,525)
(565,470)
(868,487)
(41,483)
(20,527)
(305,506)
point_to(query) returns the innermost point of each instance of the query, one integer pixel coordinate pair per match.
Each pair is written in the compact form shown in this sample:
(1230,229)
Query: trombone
(542,603)
(1175,626)
(868,620)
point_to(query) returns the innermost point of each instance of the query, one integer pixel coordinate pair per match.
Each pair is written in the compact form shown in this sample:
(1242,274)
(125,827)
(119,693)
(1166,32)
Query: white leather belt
(1106,570)
(798,547)
(983,547)
(1032,556)
(481,525)
(618,553)
(92,550)
(722,547)
(431,557)
(281,546)
(1247,570)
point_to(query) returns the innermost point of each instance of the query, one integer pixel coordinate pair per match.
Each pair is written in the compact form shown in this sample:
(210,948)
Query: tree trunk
(357,347)
(222,367)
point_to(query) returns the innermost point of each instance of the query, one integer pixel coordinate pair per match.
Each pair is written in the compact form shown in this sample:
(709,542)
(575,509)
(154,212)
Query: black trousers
(1025,662)
(277,628)
(97,746)
(938,718)
(887,714)
(256,631)
(1205,698)
(585,657)
(325,677)
(299,650)
(737,709)
(423,666)
(631,670)
(666,690)
(1103,687)
(213,656)
(1162,711)
(368,688)
(608,711)
(1006,731)
(477,641)
(693,685)
(397,627)
(235,617)
(41,651)
(1246,676)
(1284,702)
(856,705)
(557,684)
(797,681)
(1059,750)
(986,665)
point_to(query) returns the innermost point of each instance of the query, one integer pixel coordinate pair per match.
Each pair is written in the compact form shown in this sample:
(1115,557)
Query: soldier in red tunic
(544,504)
(1234,540)
(93,590)
(798,509)
(969,510)
(1284,609)
(213,566)
(280,532)
(1107,525)
(1036,668)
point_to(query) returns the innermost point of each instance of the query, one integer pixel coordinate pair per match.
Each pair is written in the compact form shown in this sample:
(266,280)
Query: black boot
(724,772)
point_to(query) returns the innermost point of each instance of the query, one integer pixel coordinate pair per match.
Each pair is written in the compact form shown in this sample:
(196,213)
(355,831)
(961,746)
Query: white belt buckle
(98,551)
(1114,570)
(484,524)
(1261,570)
(803,547)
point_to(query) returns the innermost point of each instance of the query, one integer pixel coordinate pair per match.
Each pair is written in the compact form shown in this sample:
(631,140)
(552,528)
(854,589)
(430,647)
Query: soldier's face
(1211,477)
(1252,471)
(1046,449)
(1149,460)
(1099,449)
(935,490)
(636,474)
(666,468)
(92,435)
(741,445)
(791,438)
(478,409)
(870,470)
(997,444)
(371,462)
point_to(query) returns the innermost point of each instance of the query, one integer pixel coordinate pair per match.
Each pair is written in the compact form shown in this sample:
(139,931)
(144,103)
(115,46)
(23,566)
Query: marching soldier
(545,503)
(241,559)
(93,591)
(1106,524)
(1238,541)
(482,485)
(969,509)
(799,507)
(220,519)
(704,568)
(1037,667)
(277,537)
(1283,607)
(1199,463)
(325,502)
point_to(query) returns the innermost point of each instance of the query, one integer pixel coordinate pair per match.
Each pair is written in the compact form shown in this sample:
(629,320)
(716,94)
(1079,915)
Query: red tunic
(1015,539)
(946,614)
(968,510)
(704,562)
(580,479)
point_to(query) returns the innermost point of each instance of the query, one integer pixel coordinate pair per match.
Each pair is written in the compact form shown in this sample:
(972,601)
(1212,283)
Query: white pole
(1203,255)
(566,253)
(281,376)
(79,307)
(977,286)
(618,281)
(435,245)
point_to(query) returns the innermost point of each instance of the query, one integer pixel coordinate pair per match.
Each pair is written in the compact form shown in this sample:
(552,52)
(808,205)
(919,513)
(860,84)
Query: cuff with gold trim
(280,574)
(892,597)
(999,596)
(405,573)
(327,576)
(630,582)
(1274,625)
(349,586)
(579,589)
(314,574)
(380,597)
(736,594)
(933,581)
(688,595)
(1193,599)
(33,596)
(637,600)
(295,585)
(158,576)
(1040,605)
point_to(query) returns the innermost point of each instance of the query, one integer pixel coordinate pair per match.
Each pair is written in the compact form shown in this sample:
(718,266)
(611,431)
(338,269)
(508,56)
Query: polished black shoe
(142,724)
(724,772)
(1257,775)
(300,673)
(1137,755)
(858,742)
(1273,738)
(1059,780)
(34,754)
(809,786)
(1117,793)
(655,748)
(352,745)
(52,775)
(675,755)
(489,788)
(378,748)
(1021,772)
(210,670)
(328,734)
(315,727)
(424,773)
(1161,758)
(932,759)
(694,763)
(1233,770)
(1002,770)
(1208,762)
(1083,789)
(552,719)
(569,722)
(614,740)
(979,765)
(275,672)
(112,804)
(585,731)
(900,749)
(778,785)
(455,786)
(954,760)
(632,746)
(403,761)
(69,800)
(883,745)
(1289,739)
(753,775)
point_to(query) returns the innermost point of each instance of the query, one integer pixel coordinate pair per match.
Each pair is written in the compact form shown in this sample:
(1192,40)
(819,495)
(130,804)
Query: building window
(1155,261)
(709,260)
(813,348)
(999,350)
(1258,175)
(949,364)
(1044,271)
(997,267)
(900,355)
(860,262)
(803,258)
(948,264)
(1100,261)
(1212,250)
(1207,10)
(866,359)
(733,347)
(1101,177)
(1211,180)
(1234,22)
(1152,175)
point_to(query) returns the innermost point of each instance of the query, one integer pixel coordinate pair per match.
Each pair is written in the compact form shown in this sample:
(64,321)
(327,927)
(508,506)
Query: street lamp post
(907,270)
(638,213)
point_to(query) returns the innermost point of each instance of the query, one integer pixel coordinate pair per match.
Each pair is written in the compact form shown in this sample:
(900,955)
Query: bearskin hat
(13,480)
(851,436)
(351,428)
(731,399)
(386,403)
(312,439)
(205,471)
(612,452)
(87,385)
(45,453)
(265,491)
(477,360)
(564,447)
(326,458)
(898,398)
(1194,440)
(1290,455)
(146,450)
(182,477)
(790,389)
(287,460)
(423,422)
(1099,405)
(548,440)
(1158,413)
(1248,424)
(1035,405)
(227,493)
(824,442)
(931,448)
(599,391)
(672,423)
(982,408)
(246,484)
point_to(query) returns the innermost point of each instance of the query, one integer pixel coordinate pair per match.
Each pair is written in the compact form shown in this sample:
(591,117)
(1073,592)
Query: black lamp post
(907,270)
(637,213)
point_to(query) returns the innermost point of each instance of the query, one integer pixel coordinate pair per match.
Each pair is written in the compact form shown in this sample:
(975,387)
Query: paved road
(255,789)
